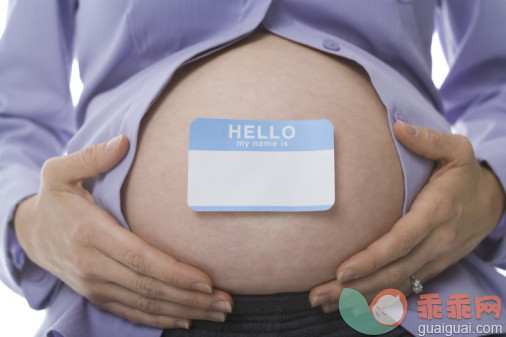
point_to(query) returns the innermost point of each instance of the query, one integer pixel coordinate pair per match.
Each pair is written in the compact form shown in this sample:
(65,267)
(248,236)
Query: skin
(439,230)
(63,231)
(140,276)
(460,205)
(266,252)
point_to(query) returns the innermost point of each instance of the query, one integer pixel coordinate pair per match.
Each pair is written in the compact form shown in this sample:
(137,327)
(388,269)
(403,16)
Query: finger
(433,144)
(406,287)
(85,163)
(325,293)
(431,270)
(406,234)
(130,250)
(368,290)
(138,317)
(393,275)
(330,307)
(397,275)
(156,306)
(370,287)
(147,286)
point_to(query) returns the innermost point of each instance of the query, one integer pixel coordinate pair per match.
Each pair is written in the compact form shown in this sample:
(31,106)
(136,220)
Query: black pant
(283,315)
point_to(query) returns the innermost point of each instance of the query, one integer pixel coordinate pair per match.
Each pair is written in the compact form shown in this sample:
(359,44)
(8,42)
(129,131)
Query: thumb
(433,144)
(91,161)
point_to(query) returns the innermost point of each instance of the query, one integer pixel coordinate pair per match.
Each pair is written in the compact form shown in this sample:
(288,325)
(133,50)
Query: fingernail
(215,316)
(410,128)
(222,306)
(346,275)
(113,143)
(205,288)
(182,325)
(330,307)
(319,300)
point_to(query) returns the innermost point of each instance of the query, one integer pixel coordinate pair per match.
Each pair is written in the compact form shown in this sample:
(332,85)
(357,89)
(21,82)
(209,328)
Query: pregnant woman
(103,236)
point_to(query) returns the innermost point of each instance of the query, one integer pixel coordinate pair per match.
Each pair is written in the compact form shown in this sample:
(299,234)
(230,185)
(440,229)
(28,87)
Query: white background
(16,318)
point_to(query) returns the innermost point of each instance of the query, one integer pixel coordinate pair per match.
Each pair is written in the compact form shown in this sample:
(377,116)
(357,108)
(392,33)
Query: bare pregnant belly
(271,78)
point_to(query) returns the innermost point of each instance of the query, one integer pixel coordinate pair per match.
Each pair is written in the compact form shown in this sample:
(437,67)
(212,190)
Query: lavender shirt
(128,50)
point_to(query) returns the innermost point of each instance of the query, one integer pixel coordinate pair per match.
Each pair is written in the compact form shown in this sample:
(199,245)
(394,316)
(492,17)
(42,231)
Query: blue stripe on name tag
(260,208)
(261,135)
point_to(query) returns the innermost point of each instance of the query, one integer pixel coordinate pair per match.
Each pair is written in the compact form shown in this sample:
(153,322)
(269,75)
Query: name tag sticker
(261,165)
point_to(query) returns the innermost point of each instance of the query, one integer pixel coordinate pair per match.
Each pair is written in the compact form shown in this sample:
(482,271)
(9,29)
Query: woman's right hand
(62,230)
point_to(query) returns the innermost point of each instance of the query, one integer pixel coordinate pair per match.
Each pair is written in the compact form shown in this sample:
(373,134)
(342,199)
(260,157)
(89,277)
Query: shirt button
(19,257)
(398,116)
(331,44)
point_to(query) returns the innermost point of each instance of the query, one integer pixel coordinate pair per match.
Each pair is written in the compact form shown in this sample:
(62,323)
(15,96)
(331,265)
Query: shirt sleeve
(36,121)
(473,37)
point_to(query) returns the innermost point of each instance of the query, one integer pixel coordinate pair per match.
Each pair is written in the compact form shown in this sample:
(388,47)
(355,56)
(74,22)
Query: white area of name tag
(251,165)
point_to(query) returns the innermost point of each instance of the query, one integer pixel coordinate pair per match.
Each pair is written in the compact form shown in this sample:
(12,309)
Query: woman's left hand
(458,207)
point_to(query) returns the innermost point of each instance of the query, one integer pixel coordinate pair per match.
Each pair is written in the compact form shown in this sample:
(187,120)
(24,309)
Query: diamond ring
(417,285)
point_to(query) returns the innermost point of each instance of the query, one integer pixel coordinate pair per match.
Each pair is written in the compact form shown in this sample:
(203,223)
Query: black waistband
(275,315)
(283,303)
